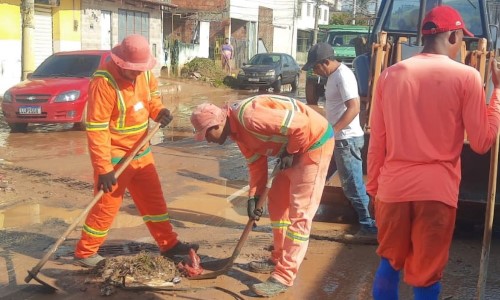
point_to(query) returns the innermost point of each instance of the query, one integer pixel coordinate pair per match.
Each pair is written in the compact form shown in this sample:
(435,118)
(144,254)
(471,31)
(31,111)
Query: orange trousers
(293,201)
(416,237)
(142,181)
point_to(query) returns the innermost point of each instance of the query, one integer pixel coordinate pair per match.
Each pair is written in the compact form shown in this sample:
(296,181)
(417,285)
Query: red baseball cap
(445,18)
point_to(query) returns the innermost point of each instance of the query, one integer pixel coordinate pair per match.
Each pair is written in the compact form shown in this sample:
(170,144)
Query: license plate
(30,110)
(253,79)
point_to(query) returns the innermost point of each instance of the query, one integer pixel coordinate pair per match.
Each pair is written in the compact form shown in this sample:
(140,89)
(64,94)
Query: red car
(56,92)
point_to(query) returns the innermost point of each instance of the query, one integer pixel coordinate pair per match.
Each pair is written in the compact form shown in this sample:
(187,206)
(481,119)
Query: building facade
(65,25)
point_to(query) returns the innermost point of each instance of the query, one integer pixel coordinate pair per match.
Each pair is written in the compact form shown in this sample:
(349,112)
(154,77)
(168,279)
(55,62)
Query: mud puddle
(30,214)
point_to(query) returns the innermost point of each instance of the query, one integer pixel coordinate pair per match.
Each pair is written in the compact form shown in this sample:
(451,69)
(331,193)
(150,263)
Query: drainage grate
(125,249)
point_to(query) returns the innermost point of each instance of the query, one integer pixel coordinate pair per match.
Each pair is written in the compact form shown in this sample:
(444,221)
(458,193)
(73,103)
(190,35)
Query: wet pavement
(47,181)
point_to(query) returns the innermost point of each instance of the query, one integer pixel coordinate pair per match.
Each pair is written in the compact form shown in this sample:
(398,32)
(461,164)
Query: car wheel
(295,83)
(277,85)
(18,127)
(82,124)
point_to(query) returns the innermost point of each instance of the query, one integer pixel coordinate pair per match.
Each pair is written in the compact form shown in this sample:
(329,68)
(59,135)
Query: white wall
(246,9)
(10,64)
(67,46)
(204,39)
(285,26)
(285,29)
(306,22)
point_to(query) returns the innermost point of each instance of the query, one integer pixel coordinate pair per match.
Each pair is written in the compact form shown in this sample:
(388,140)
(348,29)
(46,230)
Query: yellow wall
(64,18)
(10,20)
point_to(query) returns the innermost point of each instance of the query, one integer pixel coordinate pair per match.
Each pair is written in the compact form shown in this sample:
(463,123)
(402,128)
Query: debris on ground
(204,69)
(143,269)
(192,266)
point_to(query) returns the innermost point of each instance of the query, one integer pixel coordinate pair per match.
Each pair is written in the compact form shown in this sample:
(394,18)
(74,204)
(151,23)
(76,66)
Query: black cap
(317,53)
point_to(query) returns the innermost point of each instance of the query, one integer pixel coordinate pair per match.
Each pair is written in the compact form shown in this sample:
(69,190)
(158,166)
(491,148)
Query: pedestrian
(342,106)
(265,126)
(422,106)
(227,54)
(123,95)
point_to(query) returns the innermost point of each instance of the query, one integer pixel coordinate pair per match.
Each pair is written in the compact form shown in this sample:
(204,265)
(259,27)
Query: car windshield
(264,59)
(78,65)
(404,14)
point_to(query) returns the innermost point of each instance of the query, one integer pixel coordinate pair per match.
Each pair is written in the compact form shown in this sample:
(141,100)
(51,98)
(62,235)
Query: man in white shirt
(342,107)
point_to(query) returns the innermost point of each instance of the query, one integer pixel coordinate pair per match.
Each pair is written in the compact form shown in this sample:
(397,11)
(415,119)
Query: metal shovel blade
(47,286)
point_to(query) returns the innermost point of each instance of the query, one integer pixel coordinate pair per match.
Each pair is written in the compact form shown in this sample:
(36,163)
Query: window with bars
(130,21)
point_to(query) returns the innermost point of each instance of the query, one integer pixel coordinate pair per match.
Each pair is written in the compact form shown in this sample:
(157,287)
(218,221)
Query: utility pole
(353,12)
(316,20)
(28,25)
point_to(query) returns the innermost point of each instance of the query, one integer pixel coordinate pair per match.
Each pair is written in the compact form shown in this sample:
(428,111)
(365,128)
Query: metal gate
(240,52)
(43,45)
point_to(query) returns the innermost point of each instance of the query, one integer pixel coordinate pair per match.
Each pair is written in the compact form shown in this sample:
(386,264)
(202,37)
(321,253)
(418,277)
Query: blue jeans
(347,155)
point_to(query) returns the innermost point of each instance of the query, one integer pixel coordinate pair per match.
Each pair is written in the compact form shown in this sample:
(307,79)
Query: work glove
(106,181)
(285,160)
(253,212)
(164,117)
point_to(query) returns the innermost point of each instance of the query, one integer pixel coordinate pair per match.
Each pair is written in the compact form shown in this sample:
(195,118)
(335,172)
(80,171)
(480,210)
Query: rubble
(144,269)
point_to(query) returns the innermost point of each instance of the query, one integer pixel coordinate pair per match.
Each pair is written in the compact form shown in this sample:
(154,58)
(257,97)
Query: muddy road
(46,181)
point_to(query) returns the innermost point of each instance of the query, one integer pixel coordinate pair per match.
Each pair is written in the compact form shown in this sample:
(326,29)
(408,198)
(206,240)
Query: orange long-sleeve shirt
(116,121)
(266,125)
(421,108)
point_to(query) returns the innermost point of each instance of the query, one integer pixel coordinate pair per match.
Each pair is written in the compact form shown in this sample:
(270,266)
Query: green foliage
(208,70)
(345,18)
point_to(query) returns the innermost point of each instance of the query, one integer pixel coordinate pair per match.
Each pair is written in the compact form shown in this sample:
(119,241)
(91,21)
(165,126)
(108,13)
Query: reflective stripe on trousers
(142,181)
(293,201)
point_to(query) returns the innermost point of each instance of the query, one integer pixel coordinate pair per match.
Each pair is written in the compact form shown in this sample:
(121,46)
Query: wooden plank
(379,54)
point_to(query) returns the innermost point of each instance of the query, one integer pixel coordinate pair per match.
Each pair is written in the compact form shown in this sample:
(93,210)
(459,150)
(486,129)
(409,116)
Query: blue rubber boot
(427,293)
(386,283)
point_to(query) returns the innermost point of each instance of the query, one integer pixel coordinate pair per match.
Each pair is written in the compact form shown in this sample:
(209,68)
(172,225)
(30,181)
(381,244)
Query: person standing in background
(227,54)
(342,107)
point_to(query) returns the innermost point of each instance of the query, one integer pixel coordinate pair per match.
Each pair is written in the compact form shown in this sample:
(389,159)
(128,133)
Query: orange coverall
(265,126)
(117,119)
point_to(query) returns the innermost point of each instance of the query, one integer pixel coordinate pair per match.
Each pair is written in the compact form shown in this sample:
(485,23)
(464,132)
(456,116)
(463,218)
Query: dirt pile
(204,69)
(143,269)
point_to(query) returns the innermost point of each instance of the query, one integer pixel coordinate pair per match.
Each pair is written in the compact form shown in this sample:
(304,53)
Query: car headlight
(68,96)
(270,73)
(7,97)
(241,72)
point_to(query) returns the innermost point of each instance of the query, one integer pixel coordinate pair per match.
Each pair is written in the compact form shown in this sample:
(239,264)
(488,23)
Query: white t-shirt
(340,87)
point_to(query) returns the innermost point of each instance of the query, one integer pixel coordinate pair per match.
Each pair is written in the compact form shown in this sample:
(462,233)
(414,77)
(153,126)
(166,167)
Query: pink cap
(204,116)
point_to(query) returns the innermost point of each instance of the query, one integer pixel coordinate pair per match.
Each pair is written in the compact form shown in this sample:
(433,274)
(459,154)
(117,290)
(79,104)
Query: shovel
(228,262)
(33,273)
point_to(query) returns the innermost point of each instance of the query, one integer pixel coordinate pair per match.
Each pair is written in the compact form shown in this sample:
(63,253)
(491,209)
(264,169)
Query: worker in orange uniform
(422,106)
(269,125)
(123,95)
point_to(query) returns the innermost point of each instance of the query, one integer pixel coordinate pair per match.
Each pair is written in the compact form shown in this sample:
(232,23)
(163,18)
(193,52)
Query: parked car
(267,70)
(56,92)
